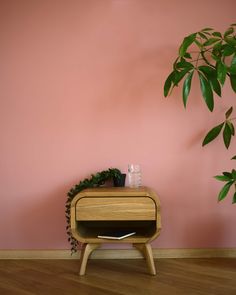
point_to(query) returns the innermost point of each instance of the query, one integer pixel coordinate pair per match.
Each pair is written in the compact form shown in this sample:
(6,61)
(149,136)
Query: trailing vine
(95,180)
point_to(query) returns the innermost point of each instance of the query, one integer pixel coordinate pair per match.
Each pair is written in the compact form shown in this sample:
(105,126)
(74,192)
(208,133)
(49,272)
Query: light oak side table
(96,210)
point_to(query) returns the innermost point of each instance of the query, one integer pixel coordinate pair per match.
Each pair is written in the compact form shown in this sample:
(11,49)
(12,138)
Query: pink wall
(81,91)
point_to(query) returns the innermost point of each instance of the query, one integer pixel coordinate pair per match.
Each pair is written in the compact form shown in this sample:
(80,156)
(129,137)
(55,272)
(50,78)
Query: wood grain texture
(115,208)
(112,204)
(115,277)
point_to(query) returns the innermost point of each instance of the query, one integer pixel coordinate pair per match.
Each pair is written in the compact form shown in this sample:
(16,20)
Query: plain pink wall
(81,87)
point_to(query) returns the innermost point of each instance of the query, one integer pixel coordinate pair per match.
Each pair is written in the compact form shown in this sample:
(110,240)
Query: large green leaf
(231,126)
(184,64)
(221,72)
(187,87)
(215,85)
(222,178)
(228,50)
(231,41)
(199,44)
(233,82)
(212,134)
(211,75)
(227,135)
(206,29)
(234,198)
(229,32)
(168,84)
(206,91)
(234,174)
(229,112)
(178,76)
(217,47)
(203,36)
(187,55)
(208,71)
(217,34)
(224,191)
(186,43)
(232,68)
(228,174)
(211,41)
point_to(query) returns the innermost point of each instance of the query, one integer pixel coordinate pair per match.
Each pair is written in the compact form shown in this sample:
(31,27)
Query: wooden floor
(114,277)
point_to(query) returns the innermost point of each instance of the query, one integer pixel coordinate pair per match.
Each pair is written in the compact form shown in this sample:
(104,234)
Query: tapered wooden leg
(85,253)
(146,250)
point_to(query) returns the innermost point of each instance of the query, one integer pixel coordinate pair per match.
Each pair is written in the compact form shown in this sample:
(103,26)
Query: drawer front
(115,208)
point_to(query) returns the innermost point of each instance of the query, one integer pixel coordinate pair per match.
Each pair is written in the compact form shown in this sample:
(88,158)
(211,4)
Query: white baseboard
(119,253)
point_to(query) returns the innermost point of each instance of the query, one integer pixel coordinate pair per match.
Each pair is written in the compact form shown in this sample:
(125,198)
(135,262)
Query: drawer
(115,208)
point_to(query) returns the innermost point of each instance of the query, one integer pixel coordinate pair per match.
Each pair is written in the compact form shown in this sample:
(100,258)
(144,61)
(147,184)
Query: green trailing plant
(211,56)
(95,180)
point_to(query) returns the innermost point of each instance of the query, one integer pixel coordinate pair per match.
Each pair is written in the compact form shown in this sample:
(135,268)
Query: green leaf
(228,174)
(184,64)
(233,82)
(227,135)
(168,84)
(215,57)
(175,62)
(233,65)
(186,43)
(178,76)
(217,47)
(233,158)
(232,128)
(234,174)
(199,44)
(206,29)
(211,75)
(209,71)
(215,86)
(217,34)
(229,112)
(211,41)
(187,87)
(202,35)
(212,134)
(224,191)
(187,55)
(221,72)
(228,50)
(231,41)
(222,178)
(234,198)
(229,32)
(206,92)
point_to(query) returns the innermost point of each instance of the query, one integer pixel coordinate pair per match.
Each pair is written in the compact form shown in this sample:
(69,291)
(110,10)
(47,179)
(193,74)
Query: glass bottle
(134,175)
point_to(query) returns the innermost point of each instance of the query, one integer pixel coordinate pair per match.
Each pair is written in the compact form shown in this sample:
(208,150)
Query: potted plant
(95,180)
(211,56)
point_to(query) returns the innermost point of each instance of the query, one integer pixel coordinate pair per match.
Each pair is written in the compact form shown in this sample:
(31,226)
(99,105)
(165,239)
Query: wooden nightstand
(93,211)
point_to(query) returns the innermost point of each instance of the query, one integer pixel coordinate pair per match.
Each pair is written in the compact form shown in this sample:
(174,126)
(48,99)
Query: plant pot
(119,182)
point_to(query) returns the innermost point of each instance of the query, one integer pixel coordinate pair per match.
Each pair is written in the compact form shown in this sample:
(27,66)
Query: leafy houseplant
(95,180)
(211,55)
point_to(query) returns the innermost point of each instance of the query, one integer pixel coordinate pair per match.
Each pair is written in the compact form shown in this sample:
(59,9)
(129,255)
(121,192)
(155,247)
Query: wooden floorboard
(119,277)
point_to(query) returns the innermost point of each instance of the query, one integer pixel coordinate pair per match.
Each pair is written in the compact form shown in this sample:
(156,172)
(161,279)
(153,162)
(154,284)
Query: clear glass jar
(134,175)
